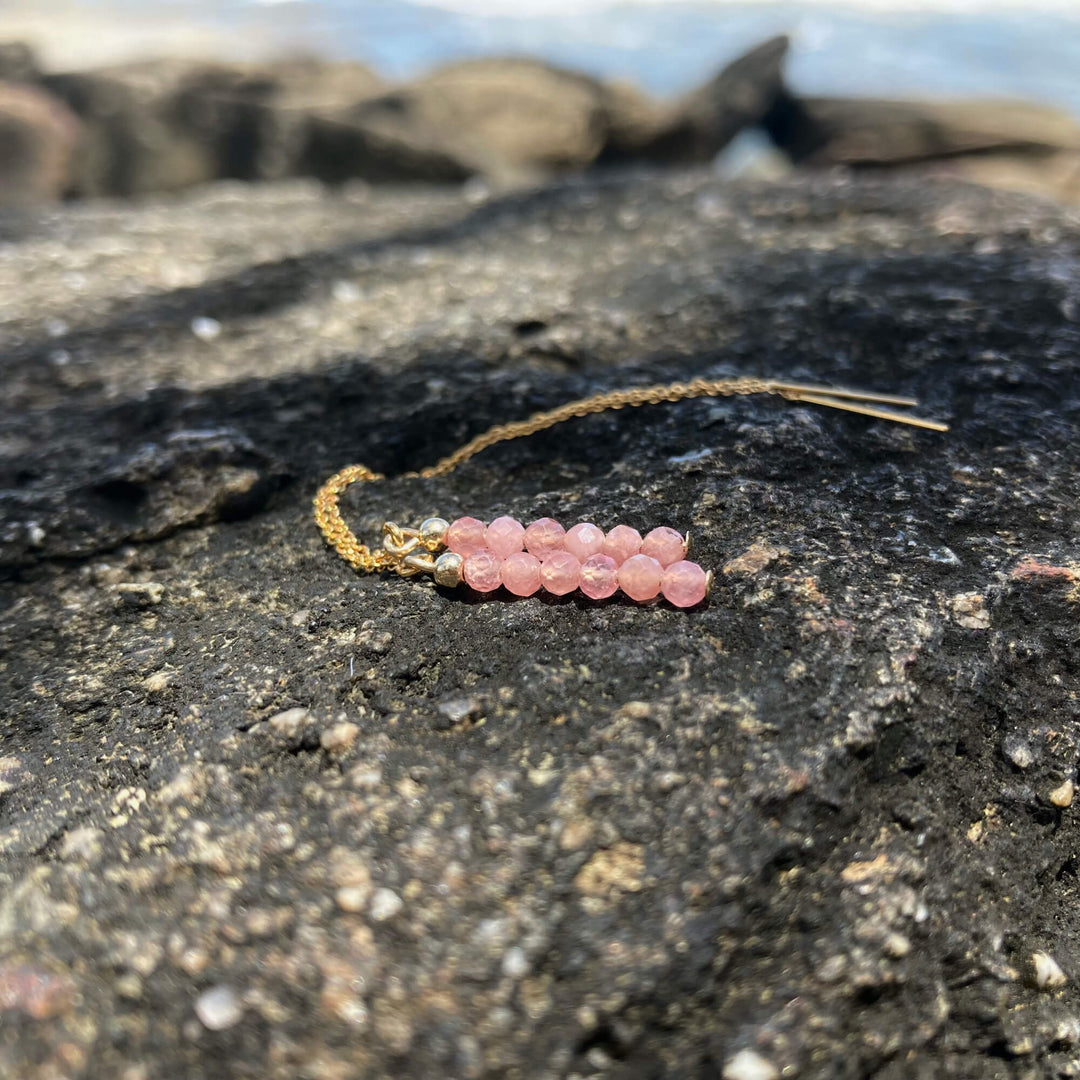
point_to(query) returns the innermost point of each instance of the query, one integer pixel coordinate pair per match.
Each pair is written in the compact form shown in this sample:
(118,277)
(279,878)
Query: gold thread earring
(544,555)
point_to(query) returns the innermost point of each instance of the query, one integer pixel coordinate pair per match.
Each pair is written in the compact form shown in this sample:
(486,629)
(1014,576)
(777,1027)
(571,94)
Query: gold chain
(341,538)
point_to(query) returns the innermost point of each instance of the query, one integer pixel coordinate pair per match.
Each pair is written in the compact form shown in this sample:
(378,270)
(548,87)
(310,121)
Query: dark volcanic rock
(261,816)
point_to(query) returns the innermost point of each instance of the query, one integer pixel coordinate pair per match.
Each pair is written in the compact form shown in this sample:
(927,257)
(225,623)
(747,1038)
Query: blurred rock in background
(138,127)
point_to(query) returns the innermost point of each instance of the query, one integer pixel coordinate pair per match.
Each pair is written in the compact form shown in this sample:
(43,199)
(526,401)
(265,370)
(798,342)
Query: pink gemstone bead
(599,576)
(560,573)
(664,545)
(684,584)
(621,543)
(482,570)
(521,573)
(465,535)
(543,537)
(584,540)
(640,576)
(505,536)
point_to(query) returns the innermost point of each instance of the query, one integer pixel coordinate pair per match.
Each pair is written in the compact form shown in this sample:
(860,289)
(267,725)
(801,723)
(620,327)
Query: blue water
(667,48)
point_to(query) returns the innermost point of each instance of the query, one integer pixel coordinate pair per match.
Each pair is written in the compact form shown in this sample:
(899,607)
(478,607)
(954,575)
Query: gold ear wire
(848,401)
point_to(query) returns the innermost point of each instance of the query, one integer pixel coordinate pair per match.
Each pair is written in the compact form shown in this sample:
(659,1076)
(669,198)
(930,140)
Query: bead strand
(546,556)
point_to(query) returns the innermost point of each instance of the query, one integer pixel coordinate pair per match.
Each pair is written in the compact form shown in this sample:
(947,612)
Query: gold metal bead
(448,569)
(433,532)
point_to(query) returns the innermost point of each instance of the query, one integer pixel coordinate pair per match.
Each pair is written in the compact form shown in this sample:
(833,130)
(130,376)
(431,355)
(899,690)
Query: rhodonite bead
(560,573)
(465,535)
(543,537)
(640,576)
(583,540)
(482,570)
(521,573)
(505,536)
(664,545)
(685,584)
(621,543)
(599,576)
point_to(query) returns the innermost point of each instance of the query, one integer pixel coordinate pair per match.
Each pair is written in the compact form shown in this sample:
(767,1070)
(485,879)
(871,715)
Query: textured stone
(625,840)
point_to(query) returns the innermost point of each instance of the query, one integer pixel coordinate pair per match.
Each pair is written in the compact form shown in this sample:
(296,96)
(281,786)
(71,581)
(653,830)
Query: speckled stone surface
(260,816)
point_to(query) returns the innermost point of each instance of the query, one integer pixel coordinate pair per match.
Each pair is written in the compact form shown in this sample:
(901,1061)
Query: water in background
(1030,52)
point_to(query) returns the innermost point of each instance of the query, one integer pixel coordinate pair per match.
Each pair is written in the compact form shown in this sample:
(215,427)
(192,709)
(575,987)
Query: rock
(385,904)
(18,63)
(750,1065)
(258,115)
(160,126)
(367,144)
(501,117)
(865,132)
(1047,971)
(141,493)
(135,143)
(1053,175)
(810,820)
(740,96)
(38,136)
(219,1008)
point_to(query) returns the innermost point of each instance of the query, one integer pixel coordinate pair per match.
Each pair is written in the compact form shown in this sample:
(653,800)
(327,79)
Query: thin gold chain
(341,538)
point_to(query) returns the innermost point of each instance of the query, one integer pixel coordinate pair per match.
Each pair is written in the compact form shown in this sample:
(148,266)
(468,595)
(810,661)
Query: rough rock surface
(262,817)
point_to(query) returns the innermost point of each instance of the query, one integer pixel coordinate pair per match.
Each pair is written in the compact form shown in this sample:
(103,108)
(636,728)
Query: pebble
(1062,796)
(219,1008)
(205,328)
(750,1065)
(353,898)
(385,904)
(1048,973)
(287,724)
(515,964)
(339,738)
(1018,752)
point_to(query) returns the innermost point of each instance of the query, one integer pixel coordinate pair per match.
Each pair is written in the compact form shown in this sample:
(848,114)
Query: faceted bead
(664,545)
(639,577)
(599,576)
(465,535)
(583,540)
(684,584)
(560,573)
(483,570)
(543,537)
(505,536)
(521,573)
(621,543)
